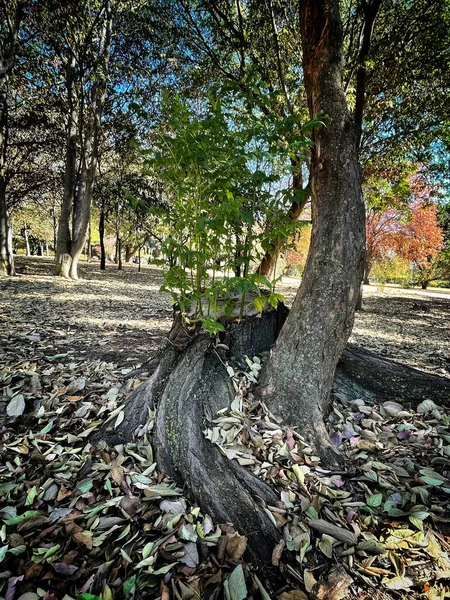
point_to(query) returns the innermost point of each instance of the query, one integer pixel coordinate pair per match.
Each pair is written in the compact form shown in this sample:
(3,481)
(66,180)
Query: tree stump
(187,388)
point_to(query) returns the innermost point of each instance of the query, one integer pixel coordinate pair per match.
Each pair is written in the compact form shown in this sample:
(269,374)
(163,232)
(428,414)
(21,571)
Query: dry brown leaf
(237,544)
(277,552)
(293,595)
(83,538)
(336,586)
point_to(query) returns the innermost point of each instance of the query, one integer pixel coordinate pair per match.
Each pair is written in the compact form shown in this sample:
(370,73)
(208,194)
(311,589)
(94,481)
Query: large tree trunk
(297,381)
(63,242)
(367,266)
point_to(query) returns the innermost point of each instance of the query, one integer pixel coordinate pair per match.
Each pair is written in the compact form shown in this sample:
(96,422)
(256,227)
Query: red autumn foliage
(420,239)
(412,233)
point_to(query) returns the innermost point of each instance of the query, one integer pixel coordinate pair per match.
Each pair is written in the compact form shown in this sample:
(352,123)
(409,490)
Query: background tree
(11,15)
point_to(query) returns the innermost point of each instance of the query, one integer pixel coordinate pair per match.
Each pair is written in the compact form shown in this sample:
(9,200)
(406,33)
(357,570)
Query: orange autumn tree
(380,229)
(407,230)
(420,240)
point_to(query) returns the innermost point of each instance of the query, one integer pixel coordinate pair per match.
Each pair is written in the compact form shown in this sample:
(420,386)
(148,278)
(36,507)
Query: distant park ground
(120,316)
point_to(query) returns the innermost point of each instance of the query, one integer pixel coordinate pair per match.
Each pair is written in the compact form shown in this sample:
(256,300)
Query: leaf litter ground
(88,523)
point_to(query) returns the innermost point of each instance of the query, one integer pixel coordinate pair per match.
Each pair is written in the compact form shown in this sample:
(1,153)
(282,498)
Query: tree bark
(82,202)
(55,229)
(297,380)
(188,384)
(101,230)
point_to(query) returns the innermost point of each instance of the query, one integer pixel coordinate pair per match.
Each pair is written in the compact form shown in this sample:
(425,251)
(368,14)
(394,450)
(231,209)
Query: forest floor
(82,524)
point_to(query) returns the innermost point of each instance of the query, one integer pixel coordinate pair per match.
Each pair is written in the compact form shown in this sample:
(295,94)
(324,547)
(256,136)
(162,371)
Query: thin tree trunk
(301,197)
(55,229)
(370,10)
(83,199)
(139,259)
(47,253)
(89,243)
(6,250)
(297,380)
(82,202)
(116,247)
(101,230)
(10,33)
(119,254)
(367,266)
(63,242)
(27,240)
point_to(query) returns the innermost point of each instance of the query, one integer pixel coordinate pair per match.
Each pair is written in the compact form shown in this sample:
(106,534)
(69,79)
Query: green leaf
(33,492)
(19,519)
(326,545)
(47,428)
(431,480)
(375,500)
(147,550)
(259,302)
(3,551)
(312,512)
(164,570)
(124,533)
(299,474)
(235,588)
(416,522)
(85,485)
(16,406)
(129,586)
